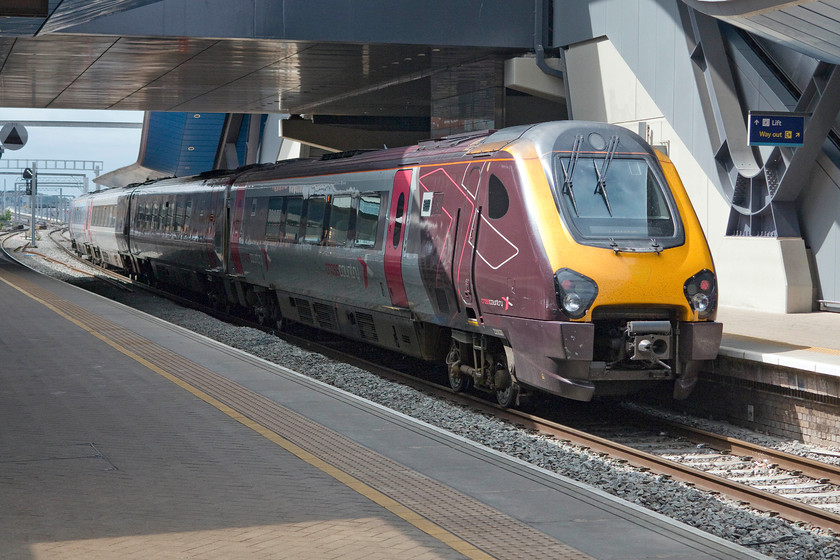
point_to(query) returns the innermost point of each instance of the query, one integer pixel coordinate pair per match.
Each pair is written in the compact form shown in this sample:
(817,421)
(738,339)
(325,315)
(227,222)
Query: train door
(465,251)
(218,226)
(501,238)
(126,207)
(397,220)
(237,214)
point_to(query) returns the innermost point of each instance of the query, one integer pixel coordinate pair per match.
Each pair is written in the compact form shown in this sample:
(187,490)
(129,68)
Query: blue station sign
(776,129)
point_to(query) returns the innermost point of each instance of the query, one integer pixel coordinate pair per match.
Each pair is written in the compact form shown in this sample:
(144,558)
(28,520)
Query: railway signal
(31,176)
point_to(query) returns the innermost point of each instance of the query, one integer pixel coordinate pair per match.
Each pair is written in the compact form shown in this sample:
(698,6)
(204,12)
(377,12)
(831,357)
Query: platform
(775,373)
(125,436)
(806,341)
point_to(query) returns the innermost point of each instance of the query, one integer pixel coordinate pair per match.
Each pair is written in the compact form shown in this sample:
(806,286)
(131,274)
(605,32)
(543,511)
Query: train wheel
(457,380)
(508,396)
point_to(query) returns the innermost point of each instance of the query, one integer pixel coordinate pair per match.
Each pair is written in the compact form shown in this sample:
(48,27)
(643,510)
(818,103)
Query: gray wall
(648,34)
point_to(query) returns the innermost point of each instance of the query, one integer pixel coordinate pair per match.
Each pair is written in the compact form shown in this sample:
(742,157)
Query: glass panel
(341,211)
(173,211)
(367,220)
(315,219)
(498,200)
(294,211)
(628,204)
(274,221)
(187,215)
(398,220)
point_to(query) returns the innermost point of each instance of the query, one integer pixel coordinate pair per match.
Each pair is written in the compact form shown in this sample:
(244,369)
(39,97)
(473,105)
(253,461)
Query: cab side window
(498,200)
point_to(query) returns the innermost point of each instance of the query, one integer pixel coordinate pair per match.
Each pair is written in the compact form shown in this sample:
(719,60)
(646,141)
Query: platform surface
(122,436)
(807,341)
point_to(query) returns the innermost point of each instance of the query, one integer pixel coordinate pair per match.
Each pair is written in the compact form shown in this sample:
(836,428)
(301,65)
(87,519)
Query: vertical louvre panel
(304,311)
(325,316)
(366,327)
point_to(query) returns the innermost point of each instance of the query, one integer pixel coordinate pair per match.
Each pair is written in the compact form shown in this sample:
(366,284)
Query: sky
(115,147)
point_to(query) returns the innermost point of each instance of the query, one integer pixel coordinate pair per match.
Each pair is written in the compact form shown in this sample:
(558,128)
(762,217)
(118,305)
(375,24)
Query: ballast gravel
(768,535)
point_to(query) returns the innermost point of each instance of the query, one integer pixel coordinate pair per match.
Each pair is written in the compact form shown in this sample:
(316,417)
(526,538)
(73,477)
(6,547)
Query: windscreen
(618,199)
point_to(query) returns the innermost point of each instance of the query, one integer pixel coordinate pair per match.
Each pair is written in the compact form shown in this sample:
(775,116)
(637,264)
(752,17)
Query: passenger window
(341,209)
(294,213)
(398,220)
(171,219)
(180,213)
(315,219)
(187,215)
(274,221)
(498,200)
(367,220)
(155,216)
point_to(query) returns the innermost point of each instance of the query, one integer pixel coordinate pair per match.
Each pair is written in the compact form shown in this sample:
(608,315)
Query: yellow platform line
(398,509)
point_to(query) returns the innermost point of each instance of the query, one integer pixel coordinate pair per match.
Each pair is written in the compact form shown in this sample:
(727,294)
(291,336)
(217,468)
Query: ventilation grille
(326,316)
(304,311)
(366,327)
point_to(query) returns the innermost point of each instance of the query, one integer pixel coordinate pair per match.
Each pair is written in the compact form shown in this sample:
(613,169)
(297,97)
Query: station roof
(340,57)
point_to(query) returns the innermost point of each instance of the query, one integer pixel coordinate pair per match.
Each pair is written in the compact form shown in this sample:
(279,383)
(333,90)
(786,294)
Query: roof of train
(474,144)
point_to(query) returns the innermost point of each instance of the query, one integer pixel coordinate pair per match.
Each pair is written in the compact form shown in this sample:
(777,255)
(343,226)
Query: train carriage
(176,232)
(562,257)
(94,226)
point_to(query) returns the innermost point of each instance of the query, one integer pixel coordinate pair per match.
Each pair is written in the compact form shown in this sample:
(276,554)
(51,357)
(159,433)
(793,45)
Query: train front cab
(634,282)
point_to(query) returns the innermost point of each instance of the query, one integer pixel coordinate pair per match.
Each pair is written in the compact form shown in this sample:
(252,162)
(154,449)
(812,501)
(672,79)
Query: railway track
(795,488)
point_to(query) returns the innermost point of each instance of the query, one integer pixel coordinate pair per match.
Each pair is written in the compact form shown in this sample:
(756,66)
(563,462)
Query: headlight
(701,292)
(575,292)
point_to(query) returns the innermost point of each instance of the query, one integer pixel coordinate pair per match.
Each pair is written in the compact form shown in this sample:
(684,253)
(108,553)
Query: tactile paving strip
(485,528)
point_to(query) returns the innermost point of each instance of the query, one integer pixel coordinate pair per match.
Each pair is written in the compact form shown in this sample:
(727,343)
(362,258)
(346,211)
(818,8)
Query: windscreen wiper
(569,173)
(653,247)
(601,187)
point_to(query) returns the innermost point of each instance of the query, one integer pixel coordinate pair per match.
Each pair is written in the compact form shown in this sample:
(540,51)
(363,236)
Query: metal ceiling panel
(37,71)
(69,13)
(477,23)
(220,56)
(126,67)
(810,27)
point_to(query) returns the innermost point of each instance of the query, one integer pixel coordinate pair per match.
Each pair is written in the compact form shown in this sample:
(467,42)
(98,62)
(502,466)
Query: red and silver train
(561,257)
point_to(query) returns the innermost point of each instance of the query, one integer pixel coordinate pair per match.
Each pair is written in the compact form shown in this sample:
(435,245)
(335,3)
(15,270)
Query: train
(560,258)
